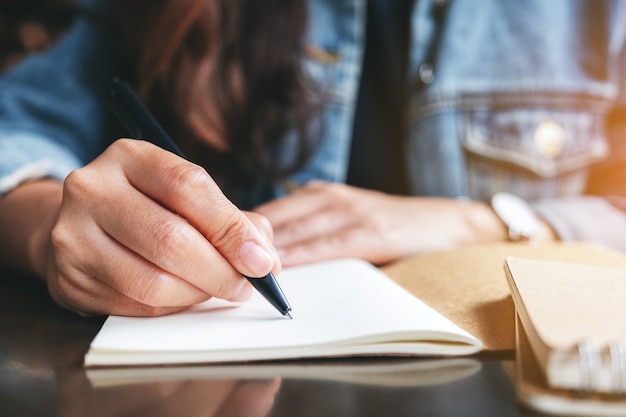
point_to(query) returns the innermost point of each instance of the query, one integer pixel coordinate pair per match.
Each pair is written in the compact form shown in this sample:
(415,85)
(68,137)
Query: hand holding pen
(139,121)
(142,231)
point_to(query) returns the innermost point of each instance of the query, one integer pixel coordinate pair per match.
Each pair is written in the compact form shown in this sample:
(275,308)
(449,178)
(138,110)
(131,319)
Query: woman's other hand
(330,220)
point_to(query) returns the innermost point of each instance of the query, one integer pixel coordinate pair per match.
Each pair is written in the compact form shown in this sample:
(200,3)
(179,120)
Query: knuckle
(379,225)
(129,150)
(338,241)
(61,238)
(170,238)
(336,189)
(231,232)
(63,291)
(66,294)
(125,146)
(262,223)
(294,230)
(154,290)
(341,195)
(77,183)
(187,179)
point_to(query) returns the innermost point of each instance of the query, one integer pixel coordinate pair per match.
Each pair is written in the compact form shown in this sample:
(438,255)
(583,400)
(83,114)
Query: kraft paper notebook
(574,317)
(468,285)
(340,308)
(533,391)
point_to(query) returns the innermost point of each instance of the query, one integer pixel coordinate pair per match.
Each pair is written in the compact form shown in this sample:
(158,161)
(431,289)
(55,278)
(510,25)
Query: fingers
(264,226)
(306,201)
(142,231)
(339,244)
(166,248)
(250,398)
(124,283)
(103,300)
(358,240)
(188,190)
(317,210)
(324,221)
(88,296)
(189,398)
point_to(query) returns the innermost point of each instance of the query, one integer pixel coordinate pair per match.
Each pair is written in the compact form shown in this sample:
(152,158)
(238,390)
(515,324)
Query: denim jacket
(504,95)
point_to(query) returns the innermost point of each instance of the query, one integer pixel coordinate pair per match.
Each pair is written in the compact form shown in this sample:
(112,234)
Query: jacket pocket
(534,152)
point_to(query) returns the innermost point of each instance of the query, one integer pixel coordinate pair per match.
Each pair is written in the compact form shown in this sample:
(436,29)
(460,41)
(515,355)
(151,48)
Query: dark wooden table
(41,374)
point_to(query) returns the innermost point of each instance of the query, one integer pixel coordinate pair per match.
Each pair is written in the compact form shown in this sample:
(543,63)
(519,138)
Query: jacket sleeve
(52,119)
(599,215)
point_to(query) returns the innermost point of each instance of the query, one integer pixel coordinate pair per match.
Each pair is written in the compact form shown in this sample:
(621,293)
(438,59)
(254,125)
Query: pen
(141,124)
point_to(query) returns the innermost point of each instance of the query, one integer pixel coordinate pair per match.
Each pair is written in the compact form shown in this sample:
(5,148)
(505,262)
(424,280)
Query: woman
(505,97)
(139,231)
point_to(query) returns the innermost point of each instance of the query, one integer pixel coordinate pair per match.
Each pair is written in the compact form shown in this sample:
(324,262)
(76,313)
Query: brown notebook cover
(573,316)
(469,286)
(532,389)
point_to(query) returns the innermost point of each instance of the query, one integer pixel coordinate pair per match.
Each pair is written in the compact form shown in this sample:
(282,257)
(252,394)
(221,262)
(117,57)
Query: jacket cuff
(584,218)
(25,156)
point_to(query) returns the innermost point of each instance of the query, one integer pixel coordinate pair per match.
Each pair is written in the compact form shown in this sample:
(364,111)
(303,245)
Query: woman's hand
(141,231)
(201,397)
(324,221)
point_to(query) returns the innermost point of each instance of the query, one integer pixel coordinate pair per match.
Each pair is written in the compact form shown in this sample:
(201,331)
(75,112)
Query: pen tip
(288,315)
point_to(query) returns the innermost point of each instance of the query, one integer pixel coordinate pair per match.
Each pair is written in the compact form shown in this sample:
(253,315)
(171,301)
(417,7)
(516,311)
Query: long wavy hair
(225,78)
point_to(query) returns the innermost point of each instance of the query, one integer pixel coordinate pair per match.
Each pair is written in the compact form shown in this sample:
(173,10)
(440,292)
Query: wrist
(40,248)
(546,233)
(520,219)
(481,223)
(27,215)
(517,216)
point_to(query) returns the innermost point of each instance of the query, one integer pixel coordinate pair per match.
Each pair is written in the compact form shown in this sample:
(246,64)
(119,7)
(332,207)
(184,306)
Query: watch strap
(517,215)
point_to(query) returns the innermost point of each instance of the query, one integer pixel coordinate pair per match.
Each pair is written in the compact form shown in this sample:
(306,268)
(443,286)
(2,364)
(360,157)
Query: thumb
(237,238)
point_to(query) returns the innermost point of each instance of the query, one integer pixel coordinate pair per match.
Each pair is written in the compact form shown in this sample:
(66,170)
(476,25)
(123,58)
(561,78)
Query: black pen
(142,125)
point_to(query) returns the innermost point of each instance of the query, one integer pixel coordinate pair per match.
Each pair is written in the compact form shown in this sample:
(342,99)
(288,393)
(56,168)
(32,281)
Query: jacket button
(549,139)
(426,73)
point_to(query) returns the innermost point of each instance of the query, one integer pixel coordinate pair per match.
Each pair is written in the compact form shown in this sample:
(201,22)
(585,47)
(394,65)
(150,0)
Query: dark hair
(225,77)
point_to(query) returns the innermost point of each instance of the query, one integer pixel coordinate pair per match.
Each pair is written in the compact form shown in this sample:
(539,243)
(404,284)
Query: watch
(517,215)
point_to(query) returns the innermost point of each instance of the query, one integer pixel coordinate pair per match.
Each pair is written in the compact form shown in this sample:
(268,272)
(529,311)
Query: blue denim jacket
(504,95)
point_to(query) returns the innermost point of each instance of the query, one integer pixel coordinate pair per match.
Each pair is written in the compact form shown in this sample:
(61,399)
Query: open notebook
(340,308)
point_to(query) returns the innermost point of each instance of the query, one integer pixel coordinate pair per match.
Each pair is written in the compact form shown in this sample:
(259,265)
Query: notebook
(390,372)
(533,391)
(574,317)
(468,285)
(341,308)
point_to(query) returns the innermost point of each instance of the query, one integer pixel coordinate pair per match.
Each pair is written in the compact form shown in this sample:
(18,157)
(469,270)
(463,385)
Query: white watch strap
(517,215)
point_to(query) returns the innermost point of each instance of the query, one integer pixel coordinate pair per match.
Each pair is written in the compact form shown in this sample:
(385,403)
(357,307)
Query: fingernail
(255,259)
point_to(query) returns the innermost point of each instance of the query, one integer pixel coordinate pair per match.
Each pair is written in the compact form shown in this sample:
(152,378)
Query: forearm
(27,215)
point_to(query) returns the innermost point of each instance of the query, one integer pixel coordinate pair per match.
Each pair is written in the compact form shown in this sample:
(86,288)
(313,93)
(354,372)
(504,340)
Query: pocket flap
(548,143)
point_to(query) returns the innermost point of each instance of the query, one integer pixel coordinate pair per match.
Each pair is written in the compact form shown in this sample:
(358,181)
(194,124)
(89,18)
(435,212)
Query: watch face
(516,214)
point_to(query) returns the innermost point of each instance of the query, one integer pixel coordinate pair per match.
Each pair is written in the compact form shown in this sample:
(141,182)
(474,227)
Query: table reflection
(41,374)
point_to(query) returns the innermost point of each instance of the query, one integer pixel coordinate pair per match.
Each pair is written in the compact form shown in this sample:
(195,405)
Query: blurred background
(31,25)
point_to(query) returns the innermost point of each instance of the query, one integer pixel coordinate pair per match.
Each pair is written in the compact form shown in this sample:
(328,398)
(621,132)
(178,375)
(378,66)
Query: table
(42,346)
